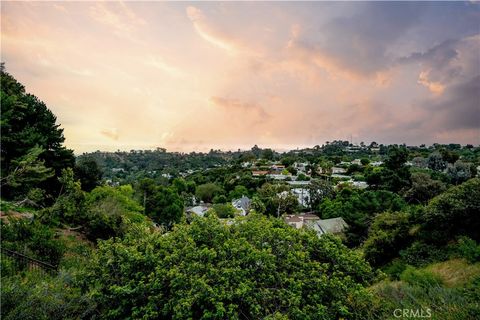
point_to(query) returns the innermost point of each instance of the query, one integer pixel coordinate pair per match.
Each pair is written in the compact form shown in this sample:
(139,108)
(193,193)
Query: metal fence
(22,262)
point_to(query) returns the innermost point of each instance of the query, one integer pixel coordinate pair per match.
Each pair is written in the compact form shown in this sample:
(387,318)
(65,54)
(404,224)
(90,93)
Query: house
(198,210)
(278,176)
(299,183)
(320,226)
(242,205)
(300,220)
(303,195)
(257,173)
(353,183)
(357,162)
(376,163)
(300,166)
(338,170)
(277,168)
(332,226)
(294,221)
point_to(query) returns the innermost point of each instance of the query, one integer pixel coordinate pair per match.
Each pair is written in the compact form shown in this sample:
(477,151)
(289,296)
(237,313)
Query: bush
(41,297)
(420,278)
(395,268)
(255,268)
(468,249)
(33,239)
(420,253)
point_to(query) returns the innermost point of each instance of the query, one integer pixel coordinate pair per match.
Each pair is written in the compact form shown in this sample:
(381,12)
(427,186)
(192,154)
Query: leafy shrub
(41,297)
(468,249)
(420,253)
(33,239)
(255,268)
(395,268)
(420,278)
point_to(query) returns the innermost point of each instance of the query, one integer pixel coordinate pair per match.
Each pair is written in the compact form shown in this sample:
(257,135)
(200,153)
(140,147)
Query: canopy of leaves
(358,208)
(253,269)
(27,123)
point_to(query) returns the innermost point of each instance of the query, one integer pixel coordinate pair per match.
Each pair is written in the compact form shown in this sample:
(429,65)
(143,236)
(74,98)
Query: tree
(27,171)
(423,188)
(267,154)
(26,124)
(207,191)
(89,173)
(256,268)
(358,208)
(110,210)
(453,213)
(459,172)
(164,206)
(238,192)
(389,233)
(436,162)
(318,191)
(224,210)
(277,199)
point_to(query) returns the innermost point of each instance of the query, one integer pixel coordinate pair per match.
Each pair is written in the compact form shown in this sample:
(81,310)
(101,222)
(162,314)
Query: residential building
(242,205)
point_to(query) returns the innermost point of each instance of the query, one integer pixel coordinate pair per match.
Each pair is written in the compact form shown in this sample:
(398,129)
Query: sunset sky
(195,76)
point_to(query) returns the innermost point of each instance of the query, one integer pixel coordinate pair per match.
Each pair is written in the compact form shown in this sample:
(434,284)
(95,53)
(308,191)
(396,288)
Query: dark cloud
(360,42)
(460,109)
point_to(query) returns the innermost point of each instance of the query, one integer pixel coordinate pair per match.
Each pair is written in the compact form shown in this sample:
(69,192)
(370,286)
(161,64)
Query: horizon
(195,76)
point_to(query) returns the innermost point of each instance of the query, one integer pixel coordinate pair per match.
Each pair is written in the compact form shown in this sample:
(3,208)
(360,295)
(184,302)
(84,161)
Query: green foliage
(453,213)
(220,199)
(69,208)
(252,269)
(31,238)
(423,188)
(162,204)
(224,210)
(88,173)
(277,199)
(319,190)
(421,253)
(206,192)
(443,303)
(459,172)
(41,297)
(27,171)
(420,278)
(435,162)
(31,139)
(395,268)
(238,192)
(358,208)
(389,233)
(468,249)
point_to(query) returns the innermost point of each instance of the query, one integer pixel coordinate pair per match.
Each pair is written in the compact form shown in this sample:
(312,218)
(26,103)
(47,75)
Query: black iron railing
(22,262)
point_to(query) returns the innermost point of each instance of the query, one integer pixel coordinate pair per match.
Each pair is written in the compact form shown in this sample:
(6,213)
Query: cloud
(214,35)
(358,45)
(235,105)
(434,87)
(449,62)
(111,133)
(117,16)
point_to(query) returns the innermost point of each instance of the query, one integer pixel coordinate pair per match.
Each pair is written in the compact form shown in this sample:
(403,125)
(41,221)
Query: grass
(456,272)
(454,297)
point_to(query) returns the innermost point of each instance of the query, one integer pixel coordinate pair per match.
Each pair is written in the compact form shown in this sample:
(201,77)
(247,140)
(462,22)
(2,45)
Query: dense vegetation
(116,226)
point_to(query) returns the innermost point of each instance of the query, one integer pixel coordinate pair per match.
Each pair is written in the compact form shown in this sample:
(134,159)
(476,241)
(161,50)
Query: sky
(229,75)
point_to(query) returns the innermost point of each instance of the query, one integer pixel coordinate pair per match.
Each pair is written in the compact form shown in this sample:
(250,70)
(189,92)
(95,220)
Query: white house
(338,170)
(302,194)
(198,210)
